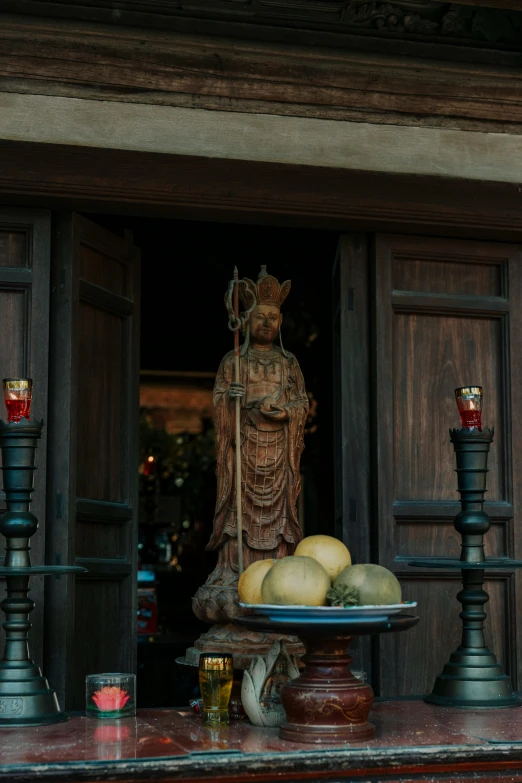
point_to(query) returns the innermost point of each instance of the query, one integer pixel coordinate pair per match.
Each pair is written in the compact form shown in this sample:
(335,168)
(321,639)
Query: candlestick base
(474,681)
(26,698)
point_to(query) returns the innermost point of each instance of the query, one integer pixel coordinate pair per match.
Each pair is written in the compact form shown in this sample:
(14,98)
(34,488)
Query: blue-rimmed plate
(329,614)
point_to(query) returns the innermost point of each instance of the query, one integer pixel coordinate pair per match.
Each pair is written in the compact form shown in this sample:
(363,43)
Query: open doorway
(185,269)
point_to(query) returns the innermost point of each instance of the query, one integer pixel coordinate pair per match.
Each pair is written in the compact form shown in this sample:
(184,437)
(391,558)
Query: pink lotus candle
(110,698)
(110,695)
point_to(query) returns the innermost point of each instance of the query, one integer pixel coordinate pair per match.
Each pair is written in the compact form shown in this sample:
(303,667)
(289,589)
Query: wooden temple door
(441,313)
(93,454)
(25,248)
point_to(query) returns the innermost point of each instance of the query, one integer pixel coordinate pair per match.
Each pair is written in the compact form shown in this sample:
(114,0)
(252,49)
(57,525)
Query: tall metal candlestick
(25,696)
(472,677)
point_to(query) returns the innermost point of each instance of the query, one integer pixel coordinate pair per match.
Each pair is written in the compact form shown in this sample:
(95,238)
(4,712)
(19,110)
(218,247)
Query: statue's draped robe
(270,459)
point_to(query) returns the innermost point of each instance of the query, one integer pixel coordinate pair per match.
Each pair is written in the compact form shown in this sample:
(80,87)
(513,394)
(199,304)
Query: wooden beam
(97,62)
(125,182)
(258,19)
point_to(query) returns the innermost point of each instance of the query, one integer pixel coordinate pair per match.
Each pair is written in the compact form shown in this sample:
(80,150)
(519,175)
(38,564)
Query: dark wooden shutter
(447,313)
(25,239)
(351,386)
(351,395)
(93,432)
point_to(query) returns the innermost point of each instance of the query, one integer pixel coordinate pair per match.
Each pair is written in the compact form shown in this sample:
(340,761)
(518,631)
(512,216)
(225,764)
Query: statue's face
(264,323)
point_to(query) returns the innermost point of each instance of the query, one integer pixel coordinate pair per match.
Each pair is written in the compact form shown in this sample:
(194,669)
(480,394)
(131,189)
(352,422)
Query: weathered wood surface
(388,25)
(203,188)
(352,382)
(442,318)
(67,58)
(93,434)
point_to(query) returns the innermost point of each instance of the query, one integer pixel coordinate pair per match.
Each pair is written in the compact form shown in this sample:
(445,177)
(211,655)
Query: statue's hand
(275,412)
(236,390)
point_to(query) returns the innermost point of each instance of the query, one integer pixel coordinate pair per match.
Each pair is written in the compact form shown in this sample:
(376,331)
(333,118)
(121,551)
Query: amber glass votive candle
(216,674)
(111,695)
(18,393)
(469,403)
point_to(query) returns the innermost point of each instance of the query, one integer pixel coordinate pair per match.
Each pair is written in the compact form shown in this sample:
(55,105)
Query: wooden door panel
(352,414)
(101,642)
(13,247)
(421,538)
(433,355)
(439,273)
(95,339)
(104,267)
(446,315)
(99,539)
(416,657)
(101,389)
(14,315)
(25,254)
(351,340)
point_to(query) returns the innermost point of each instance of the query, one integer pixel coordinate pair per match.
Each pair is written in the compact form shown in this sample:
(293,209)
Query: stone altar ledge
(412,738)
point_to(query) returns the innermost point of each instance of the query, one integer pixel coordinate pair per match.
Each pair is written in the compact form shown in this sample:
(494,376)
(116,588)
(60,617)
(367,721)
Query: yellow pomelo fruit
(330,552)
(250,581)
(296,581)
(376,585)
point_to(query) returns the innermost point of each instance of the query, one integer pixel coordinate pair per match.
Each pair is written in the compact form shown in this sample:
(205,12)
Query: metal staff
(235,323)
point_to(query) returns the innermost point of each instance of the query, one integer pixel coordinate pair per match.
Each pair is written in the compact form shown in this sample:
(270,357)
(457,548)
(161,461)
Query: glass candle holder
(469,403)
(18,394)
(216,674)
(110,696)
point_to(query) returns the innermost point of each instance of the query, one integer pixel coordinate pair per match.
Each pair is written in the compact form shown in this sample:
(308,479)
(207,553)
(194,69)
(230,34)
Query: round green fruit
(296,581)
(375,585)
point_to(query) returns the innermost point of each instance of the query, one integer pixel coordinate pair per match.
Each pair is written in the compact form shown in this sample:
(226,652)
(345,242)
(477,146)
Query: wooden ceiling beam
(400,26)
(95,62)
(172,186)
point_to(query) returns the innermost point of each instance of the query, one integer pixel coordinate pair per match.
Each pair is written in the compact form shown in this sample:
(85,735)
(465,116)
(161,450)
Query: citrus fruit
(376,586)
(296,581)
(330,552)
(249,585)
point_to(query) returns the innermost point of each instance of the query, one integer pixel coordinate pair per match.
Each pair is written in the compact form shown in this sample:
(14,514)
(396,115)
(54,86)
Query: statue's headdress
(267,290)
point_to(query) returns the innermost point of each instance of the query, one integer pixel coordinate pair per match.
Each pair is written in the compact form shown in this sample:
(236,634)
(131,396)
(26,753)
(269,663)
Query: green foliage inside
(182,463)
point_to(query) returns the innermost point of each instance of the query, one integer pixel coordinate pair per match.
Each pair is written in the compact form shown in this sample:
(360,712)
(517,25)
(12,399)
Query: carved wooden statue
(273,412)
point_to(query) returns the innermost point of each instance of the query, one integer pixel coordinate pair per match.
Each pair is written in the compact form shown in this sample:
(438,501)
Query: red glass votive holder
(469,403)
(18,393)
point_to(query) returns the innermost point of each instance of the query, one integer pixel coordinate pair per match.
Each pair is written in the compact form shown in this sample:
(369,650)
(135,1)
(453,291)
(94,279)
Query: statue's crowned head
(266,318)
